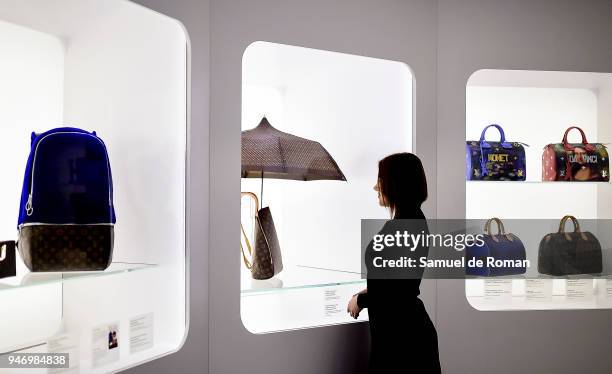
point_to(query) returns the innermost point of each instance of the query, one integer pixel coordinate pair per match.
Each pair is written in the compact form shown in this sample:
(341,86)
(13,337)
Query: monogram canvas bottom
(66,247)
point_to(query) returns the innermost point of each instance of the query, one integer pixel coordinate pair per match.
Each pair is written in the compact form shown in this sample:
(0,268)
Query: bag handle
(501,230)
(587,146)
(253,197)
(3,248)
(502,139)
(564,221)
(576,227)
(248,263)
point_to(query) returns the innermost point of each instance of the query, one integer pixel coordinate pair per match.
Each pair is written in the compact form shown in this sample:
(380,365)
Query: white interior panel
(121,70)
(31,95)
(360,110)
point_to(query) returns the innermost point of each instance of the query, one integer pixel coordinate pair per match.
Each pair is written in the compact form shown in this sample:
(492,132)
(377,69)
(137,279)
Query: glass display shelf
(25,278)
(299,277)
(546,293)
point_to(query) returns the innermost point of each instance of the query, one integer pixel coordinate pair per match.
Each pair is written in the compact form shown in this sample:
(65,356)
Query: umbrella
(280,155)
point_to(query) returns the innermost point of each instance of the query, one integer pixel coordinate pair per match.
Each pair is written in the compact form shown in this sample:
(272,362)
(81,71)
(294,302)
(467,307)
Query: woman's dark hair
(402,182)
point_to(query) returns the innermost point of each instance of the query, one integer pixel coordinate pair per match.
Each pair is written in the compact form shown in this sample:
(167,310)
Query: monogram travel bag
(569,253)
(575,161)
(501,246)
(499,161)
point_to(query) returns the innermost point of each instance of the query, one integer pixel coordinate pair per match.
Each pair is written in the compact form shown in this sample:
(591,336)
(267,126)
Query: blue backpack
(66,217)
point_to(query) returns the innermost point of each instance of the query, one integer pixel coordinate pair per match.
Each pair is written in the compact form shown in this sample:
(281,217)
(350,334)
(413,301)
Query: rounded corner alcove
(121,70)
(358,110)
(536,107)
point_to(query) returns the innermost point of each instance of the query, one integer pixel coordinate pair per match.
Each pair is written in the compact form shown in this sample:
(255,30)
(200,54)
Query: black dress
(403,338)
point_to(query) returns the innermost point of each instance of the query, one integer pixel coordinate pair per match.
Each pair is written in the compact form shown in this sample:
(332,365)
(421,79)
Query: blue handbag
(498,247)
(66,217)
(502,160)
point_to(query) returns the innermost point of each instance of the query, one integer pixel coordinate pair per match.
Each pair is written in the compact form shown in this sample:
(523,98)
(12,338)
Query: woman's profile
(403,338)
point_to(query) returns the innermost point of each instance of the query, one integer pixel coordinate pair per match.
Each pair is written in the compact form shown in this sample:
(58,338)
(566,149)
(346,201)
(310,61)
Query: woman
(403,338)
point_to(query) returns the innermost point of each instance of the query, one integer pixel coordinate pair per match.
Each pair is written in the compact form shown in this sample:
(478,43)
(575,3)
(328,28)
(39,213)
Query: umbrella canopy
(269,152)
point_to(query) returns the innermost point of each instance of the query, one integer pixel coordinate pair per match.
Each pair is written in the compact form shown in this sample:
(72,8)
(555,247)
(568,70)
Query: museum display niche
(360,109)
(536,107)
(121,70)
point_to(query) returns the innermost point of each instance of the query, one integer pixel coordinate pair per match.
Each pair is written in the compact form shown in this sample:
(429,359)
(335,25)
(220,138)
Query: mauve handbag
(569,253)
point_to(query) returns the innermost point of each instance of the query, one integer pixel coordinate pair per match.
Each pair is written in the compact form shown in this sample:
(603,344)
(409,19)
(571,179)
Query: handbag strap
(568,147)
(501,230)
(576,227)
(484,144)
(253,197)
(3,246)
(564,221)
(502,139)
(246,261)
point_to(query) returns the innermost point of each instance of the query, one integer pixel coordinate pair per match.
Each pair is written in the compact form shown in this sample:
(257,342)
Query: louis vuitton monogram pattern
(267,260)
(66,247)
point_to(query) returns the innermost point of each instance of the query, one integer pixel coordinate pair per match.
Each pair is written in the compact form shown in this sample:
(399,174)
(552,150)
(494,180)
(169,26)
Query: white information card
(105,344)
(579,289)
(499,290)
(538,289)
(331,304)
(141,333)
(65,343)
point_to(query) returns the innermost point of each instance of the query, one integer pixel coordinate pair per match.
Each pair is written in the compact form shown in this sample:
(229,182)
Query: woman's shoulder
(405,224)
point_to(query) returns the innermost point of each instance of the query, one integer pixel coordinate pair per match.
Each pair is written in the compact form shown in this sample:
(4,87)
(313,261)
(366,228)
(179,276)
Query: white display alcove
(536,107)
(361,110)
(120,69)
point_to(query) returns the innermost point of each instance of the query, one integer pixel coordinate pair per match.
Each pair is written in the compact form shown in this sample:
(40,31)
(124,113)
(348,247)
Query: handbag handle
(2,252)
(501,230)
(3,248)
(253,197)
(484,144)
(585,143)
(576,227)
(248,263)
(564,221)
(502,139)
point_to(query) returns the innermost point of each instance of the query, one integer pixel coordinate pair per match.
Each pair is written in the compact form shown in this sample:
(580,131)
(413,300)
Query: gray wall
(193,357)
(443,42)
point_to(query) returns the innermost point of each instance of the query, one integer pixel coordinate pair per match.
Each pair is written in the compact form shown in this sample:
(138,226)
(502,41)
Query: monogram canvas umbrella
(269,152)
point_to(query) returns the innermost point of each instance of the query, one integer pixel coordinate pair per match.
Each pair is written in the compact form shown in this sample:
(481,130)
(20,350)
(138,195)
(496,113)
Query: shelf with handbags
(568,178)
(309,162)
(561,162)
(566,268)
(93,154)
